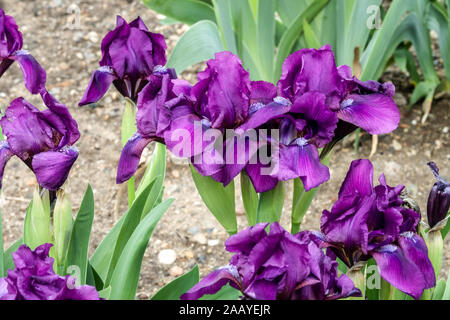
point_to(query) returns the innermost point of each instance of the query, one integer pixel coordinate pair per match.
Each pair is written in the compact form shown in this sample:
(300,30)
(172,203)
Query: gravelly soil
(70,52)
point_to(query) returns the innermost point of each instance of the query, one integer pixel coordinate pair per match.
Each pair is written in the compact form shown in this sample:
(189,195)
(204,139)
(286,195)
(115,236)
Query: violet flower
(34,279)
(439,199)
(41,139)
(218,104)
(277,266)
(130,55)
(11,43)
(368,105)
(153,118)
(372,222)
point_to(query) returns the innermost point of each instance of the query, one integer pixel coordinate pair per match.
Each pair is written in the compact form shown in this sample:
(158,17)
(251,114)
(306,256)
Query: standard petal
(245,240)
(262,92)
(260,114)
(61,119)
(376,113)
(34,75)
(5,155)
(52,167)
(100,82)
(212,283)
(27,132)
(359,179)
(130,157)
(301,161)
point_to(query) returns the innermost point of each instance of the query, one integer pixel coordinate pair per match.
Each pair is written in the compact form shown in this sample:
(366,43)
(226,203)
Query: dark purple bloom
(277,266)
(439,198)
(34,279)
(219,104)
(41,139)
(130,55)
(373,222)
(368,105)
(153,119)
(11,43)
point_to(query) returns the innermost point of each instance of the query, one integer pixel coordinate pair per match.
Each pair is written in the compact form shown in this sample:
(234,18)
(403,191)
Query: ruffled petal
(244,241)
(376,113)
(301,161)
(262,92)
(261,182)
(212,283)
(130,157)
(263,114)
(27,132)
(61,119)
(100,82)
(34,75)
(52,167)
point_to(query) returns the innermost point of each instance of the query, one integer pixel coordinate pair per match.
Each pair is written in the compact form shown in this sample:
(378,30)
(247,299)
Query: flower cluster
(277,266)
(369,221)
(43,140)
(34,279)
(315,105)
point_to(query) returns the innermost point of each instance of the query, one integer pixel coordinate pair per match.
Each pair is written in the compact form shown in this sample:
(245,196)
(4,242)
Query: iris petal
(130,157)
(100,82)
(34,75)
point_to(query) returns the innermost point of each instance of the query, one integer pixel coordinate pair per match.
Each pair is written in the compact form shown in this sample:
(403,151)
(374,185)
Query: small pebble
(396,145)
(188,254)
(445,130)
(200,238)
(167,256)
(176,271)
(213,243)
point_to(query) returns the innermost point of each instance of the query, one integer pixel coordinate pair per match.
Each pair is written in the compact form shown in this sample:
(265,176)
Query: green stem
(302,200)
(359,279)
(128,129)
(386,290)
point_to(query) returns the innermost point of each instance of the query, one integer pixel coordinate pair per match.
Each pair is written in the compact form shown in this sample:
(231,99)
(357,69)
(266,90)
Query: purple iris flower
(11,43)
(34,279)
(439,198)
(130,55)
(41,139)
(368,105)
(154,113)
(373,222)
(219,104)
(277,266)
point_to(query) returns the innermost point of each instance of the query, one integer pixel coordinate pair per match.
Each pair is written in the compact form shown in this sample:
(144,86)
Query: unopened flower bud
(439,198)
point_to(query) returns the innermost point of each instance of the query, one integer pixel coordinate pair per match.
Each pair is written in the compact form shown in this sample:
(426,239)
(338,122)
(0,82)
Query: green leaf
(226,293)
(446,295)
(125,279)
(266,38)
(270,205)
(79,241)
(439,290)
(372,276)
(294,31)
(2,262)
(290,9)
(105,293)
(174,289)
(224,20)
(156,171)
(186,11)
(250,199)
(8,262)
(132,219)
(101,258)
(220,200)
(446,229)
(198,44)
(310,36)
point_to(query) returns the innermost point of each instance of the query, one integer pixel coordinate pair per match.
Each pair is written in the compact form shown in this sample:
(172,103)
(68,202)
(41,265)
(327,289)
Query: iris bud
(435,245)
(438,200)
(37,222)
(62,226)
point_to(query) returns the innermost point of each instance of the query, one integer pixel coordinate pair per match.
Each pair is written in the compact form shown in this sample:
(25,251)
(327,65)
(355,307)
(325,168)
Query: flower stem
(128,129)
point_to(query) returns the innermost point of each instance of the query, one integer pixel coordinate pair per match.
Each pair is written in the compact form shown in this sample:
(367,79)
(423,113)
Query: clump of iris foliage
(307,95)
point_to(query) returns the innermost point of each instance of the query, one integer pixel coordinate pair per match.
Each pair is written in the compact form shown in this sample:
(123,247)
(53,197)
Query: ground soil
(70,51)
